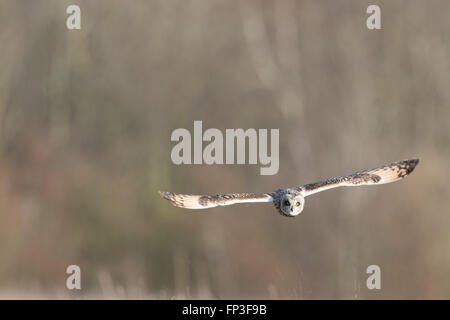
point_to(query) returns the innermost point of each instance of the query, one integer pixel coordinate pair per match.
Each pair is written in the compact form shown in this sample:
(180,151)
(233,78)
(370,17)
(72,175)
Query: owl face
(292,205)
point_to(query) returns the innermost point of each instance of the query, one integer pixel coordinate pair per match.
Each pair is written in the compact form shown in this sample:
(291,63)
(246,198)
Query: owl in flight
(290,202)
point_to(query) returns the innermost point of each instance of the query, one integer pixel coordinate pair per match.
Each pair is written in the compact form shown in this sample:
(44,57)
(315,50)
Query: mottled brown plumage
(290,202)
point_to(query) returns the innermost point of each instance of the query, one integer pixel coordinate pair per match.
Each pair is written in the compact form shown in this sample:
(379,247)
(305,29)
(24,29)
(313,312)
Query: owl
(290,202)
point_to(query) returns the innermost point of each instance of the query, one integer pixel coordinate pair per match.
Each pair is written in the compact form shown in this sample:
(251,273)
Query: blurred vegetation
(85,124)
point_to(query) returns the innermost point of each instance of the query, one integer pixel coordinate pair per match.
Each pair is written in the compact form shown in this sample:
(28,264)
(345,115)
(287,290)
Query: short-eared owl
(290,202)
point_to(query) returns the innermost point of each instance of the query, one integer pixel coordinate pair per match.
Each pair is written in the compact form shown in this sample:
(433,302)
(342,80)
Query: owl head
(291,204)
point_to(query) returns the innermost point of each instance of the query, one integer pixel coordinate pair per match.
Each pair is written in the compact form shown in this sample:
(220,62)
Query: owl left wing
(384,174)
(191,201)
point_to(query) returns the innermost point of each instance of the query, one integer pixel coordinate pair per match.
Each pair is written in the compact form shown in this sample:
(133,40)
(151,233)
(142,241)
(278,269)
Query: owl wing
(384,174)
(190,201)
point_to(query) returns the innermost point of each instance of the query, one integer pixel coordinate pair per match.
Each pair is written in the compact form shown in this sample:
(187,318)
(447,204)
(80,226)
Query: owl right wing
(191,201)
(381,175)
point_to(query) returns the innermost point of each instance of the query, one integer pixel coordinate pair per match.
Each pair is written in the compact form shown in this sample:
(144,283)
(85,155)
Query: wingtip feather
(395,171)
(182,200)
(412,163)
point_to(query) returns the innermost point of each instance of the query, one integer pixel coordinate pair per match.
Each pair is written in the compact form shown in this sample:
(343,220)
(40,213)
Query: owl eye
(297,204)
(286,203)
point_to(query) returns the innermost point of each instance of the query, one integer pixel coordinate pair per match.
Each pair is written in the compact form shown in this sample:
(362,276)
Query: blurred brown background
(85,124)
